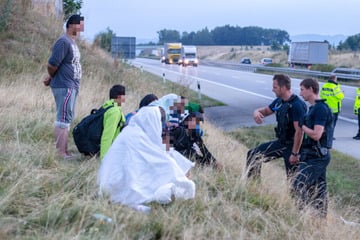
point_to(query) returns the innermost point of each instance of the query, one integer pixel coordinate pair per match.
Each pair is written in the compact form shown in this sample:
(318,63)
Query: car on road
(245,61)
(266,61)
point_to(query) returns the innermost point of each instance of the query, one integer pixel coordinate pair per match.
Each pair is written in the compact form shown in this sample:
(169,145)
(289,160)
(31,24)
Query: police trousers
(309,185)
(266,152)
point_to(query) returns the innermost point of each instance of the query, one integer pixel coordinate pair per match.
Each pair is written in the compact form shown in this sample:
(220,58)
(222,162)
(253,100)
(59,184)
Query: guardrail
(293,71)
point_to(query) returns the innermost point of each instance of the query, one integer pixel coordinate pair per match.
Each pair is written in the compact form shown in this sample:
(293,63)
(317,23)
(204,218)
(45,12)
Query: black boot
(357,137)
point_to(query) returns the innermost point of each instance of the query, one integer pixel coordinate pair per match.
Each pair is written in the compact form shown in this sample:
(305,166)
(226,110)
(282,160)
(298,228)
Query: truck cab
(172,53)
(189,56)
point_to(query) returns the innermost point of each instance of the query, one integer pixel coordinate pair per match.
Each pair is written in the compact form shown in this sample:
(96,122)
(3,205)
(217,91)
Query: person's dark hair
(74,19)
(116,90)
(283,80)
(147,100)
(196,115)
(310,82)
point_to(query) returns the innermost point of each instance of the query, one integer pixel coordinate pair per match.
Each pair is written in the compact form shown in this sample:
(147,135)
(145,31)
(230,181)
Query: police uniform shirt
(298,109)
(320,114)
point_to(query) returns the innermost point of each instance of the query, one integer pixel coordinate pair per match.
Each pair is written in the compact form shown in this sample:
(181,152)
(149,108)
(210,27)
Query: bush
(322,67)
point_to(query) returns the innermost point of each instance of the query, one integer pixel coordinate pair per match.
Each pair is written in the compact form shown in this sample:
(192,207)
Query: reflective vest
(357,101)
(333,95)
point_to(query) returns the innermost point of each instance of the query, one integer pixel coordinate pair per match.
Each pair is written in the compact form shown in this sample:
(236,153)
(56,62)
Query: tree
(203,37)
(71,7)
(168,36)
(103,39)
(351,43)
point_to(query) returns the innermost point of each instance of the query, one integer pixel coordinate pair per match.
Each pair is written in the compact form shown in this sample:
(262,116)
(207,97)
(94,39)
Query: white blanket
(137,169)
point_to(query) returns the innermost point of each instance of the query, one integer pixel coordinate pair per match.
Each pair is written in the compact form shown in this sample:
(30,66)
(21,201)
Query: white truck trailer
(308,53)
(189,56)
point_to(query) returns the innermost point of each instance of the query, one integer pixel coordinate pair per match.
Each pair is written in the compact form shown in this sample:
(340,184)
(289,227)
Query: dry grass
(45,197)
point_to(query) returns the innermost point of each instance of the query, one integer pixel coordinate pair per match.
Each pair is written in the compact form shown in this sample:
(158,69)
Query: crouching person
(309,185)
(186,139)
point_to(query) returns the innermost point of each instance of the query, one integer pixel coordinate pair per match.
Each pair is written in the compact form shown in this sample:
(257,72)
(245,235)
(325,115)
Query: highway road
(242,92)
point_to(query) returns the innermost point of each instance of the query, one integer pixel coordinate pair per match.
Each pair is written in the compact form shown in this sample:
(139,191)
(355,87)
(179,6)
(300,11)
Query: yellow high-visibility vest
(357,101)
(333,95)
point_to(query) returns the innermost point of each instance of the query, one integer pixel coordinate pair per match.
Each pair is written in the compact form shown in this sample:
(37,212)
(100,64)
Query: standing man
(64,70)
(289,110)
(310,181)
(357,111)
(333,95)
(114,119)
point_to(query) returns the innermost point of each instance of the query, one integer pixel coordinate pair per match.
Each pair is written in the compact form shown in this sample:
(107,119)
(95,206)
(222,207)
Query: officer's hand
(258,117)
(294,159)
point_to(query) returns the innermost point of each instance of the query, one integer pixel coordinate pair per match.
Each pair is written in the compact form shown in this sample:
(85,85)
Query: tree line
(226,35)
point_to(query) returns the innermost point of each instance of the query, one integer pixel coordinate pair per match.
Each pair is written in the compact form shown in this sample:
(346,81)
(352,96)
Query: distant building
(123,47)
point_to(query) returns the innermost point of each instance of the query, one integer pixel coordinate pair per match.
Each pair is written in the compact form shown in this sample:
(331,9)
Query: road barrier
(292,71)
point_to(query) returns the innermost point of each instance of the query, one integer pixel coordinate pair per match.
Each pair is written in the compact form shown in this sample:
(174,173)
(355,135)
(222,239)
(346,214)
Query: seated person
(174,107)
(114,119)
(194,107)
(187,140)
(146,100)
(137,170)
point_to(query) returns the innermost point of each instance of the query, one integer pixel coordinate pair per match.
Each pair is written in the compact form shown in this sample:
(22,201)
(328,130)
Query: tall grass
(45,197)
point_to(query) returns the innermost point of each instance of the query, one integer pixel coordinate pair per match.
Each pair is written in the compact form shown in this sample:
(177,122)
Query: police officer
(333,95)
(309,185)
(289,109)
(357,111)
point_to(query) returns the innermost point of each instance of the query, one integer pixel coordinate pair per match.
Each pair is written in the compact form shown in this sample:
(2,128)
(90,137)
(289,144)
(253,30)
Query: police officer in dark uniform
(289,110)
(309,184)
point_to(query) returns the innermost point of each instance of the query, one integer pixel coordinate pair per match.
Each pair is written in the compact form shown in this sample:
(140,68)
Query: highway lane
(242,92)
(233,86)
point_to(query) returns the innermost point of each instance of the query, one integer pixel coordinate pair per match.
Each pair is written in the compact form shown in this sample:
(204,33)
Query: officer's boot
(357,137)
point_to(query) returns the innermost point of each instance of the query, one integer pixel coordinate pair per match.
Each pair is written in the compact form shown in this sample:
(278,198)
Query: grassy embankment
(45,197)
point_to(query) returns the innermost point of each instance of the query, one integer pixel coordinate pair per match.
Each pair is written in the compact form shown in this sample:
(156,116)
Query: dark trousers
(309,185)
(358,120)
(335,116)
(266,152)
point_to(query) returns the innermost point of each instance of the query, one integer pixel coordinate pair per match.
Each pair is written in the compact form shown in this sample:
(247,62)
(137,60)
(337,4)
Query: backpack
(87,133)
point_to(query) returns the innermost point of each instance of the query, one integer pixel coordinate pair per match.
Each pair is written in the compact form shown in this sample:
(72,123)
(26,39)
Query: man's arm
(111,121)
(315,133)
(260,113)
(51,70)
(298,136)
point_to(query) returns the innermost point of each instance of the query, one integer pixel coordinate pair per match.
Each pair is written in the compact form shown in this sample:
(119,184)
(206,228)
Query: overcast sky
(144,18)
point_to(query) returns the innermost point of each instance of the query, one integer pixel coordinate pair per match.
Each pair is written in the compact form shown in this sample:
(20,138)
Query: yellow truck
(172,52)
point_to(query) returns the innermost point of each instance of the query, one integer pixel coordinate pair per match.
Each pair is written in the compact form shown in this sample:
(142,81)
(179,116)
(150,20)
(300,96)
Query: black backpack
(87,133)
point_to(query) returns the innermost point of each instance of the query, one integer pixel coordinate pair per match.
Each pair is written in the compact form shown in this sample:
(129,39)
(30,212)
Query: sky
(143,18)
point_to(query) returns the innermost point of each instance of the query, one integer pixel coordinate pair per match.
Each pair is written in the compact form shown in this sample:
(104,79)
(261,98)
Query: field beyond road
(255,53)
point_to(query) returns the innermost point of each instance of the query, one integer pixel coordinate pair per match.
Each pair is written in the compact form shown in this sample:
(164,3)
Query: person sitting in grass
(186,139)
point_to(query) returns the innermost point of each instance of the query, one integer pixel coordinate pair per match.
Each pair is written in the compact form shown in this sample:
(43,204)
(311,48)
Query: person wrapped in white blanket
(137,169)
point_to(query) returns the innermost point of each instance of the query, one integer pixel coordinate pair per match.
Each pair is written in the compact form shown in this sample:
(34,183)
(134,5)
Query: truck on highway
(172,52)
(308,53)
(189,56)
